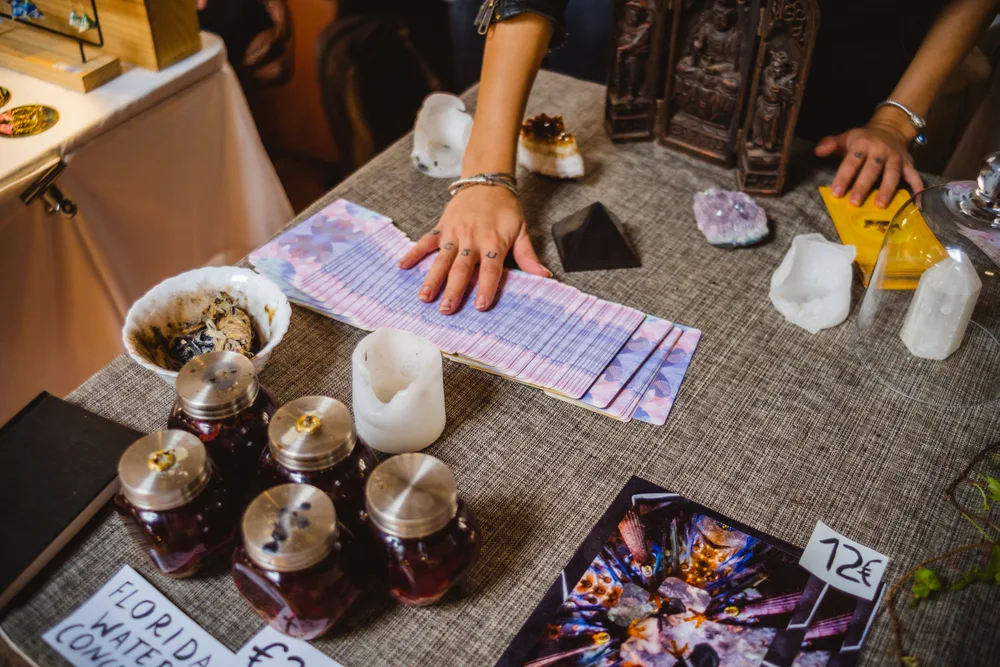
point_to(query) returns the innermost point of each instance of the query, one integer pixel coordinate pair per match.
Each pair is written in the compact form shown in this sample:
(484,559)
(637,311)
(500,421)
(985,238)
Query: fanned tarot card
(662,581)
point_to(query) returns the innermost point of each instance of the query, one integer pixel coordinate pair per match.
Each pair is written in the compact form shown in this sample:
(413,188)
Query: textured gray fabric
(773,427)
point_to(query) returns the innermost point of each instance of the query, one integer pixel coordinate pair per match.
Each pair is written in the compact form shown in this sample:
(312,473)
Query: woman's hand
(880,148)
(481,224)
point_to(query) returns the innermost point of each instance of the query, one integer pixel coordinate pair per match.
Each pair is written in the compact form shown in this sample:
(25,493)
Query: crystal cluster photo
(675,585)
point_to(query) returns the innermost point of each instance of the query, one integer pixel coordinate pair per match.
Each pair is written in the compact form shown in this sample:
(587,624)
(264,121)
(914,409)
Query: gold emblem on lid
(308,423)
(161,460)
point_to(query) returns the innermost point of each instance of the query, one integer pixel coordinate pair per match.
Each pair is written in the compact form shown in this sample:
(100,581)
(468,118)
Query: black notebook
(58,466)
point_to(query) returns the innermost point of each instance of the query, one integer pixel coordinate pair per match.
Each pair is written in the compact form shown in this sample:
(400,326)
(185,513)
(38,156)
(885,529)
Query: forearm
(514,52)
(954,32)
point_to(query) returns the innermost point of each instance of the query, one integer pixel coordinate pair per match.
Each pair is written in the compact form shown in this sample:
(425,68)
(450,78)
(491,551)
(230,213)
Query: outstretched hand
(879,149)
(480,225)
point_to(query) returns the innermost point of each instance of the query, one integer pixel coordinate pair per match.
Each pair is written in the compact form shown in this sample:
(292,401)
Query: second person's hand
(879,151)
(480,225)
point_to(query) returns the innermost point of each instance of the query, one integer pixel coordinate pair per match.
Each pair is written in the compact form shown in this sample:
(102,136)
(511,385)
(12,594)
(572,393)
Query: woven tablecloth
(773,427)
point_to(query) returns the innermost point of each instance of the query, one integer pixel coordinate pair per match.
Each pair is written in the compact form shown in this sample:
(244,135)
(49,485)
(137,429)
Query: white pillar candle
(941,308)
(398,391)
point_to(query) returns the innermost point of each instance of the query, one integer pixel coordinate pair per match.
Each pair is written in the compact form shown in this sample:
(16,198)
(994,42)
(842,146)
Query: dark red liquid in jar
(189,539)
(344,481)
(303,604)
(234,443)
(421,570)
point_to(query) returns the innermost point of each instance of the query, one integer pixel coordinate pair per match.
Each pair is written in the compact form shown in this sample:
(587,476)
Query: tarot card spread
(664,582)
(610,358)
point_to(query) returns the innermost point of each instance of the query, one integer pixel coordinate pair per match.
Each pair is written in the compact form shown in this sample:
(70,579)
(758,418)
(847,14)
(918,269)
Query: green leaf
(910,661)
(927,578)
(993,484)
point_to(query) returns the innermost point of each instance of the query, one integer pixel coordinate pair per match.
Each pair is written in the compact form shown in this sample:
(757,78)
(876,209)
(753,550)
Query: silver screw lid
(217,385)
(164,470)
(411,495)
(311,433)
(289,527)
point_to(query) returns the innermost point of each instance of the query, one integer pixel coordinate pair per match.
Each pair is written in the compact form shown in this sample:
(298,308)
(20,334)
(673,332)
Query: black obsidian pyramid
(593,240)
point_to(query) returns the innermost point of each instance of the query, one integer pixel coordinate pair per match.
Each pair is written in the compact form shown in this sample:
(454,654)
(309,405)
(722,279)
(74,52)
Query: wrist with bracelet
(916,122)
(500,179)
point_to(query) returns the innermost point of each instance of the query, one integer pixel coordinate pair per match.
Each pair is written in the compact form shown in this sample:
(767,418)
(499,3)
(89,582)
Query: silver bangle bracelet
(917,121)
(501,179)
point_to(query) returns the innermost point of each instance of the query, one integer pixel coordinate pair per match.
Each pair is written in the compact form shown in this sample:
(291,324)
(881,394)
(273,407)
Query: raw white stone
(440,136)
(562,161)
(812,285)
(941,308)
(398,391)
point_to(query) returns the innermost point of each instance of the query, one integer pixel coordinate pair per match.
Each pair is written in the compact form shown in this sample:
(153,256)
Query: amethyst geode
(729,219)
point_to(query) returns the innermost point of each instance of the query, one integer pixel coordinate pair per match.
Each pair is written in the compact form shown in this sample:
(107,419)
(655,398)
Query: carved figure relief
(732,79)
(777,91)
(708,75)
(707,81)
(789,33)
(635,69)
(632,51)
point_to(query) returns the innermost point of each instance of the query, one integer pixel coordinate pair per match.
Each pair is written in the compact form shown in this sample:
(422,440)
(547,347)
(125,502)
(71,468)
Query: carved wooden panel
(789,35)
(634,68)
(712,51)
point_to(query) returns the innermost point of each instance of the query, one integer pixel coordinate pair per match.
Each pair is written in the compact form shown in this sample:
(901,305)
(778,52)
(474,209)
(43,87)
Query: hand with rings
(880,149)
(479,227)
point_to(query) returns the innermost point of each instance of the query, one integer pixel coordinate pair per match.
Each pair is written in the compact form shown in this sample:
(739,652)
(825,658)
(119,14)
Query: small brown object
(789,35)
(547,129)
(707,77)
(634,75)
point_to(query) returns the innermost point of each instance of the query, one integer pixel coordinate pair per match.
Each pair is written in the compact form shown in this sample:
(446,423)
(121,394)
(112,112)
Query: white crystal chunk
(812,285)
(941,308)
(440,136)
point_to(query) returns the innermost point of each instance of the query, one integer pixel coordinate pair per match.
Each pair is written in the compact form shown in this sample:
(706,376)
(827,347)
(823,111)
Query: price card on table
(843,563)
(270,648)
(128,622)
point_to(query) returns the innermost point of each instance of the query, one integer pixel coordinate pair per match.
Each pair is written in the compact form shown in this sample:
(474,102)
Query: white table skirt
(161,189)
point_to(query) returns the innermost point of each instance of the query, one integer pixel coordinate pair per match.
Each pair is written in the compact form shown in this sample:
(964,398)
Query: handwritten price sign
(843,563)
(270,648)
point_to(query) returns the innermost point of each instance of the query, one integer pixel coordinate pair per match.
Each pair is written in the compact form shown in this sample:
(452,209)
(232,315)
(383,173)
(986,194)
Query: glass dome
(929,323)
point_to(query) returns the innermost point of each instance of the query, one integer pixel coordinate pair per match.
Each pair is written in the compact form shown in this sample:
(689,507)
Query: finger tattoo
(490,254)
(878,160)
(858,154)
(465,252)
(449,245)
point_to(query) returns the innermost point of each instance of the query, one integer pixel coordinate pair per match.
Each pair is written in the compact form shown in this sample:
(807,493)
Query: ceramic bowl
(184,298)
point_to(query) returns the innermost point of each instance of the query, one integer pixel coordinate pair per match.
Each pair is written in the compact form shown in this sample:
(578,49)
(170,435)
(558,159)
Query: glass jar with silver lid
(424,534)
(312,440)
(178,508)
(220,400)
(296,567)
